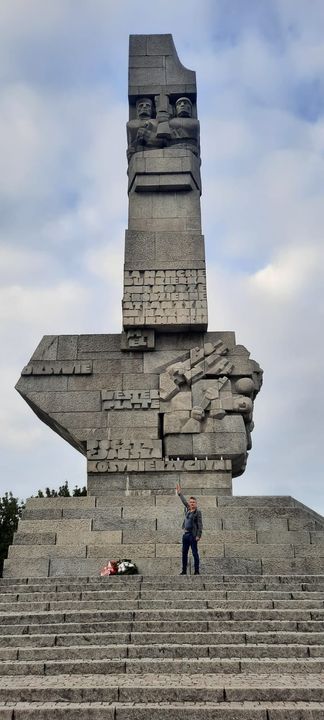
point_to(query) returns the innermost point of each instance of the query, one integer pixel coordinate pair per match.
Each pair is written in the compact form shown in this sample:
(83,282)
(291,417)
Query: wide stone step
(27,593)
(208,614)
(165,650)
(181,605)
(155,581)
(97,639)
(116,594)
(173,711)
(166,626)
(152,665)
(170,688)
(134,583)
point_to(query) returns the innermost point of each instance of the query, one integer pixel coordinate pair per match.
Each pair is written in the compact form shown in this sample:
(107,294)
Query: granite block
(146,61)
(140,381)
(137,45)
(93,537)
(178,446)
(76,567)
(231,566)
(46,538)
(67,347)
(42,514)
(162,45)
(182,341)
(47,551)
(47,348)
(133,418)
(57,402)
(138,433)
(26,568)
(97,381)
(39,383)
(78,420)
(104,483)
(293,566)
(74,526)
(61,502)
(121,551)
(147,76)
(99,343)
(205,550)
(258,551)
(269,537)
(133,525)
(317,537)
(140,248)
(309,551)
(220,443)
(104,503)
(188,245)
(206,480)
(140,535)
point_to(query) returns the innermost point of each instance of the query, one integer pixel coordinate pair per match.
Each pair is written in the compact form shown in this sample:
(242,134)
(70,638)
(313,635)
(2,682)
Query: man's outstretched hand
(178,488)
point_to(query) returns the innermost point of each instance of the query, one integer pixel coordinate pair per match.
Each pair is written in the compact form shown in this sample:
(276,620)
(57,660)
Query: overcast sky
(63,207)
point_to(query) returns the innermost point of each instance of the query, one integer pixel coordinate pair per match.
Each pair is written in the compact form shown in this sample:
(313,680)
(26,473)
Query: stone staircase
(243,647)
(243,641)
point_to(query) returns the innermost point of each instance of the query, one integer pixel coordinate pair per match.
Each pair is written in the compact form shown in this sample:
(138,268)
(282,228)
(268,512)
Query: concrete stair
(223,647)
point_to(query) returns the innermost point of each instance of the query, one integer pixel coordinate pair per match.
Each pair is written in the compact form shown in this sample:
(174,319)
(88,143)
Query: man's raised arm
(182,497)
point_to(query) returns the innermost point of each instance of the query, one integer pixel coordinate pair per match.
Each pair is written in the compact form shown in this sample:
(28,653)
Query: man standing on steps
(192,526)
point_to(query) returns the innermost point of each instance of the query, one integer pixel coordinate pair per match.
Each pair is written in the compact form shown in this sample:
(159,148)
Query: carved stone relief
(160,124)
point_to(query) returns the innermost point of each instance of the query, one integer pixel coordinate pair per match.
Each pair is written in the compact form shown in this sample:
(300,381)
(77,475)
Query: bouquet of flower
(126,567)
(119,567)
(110,569)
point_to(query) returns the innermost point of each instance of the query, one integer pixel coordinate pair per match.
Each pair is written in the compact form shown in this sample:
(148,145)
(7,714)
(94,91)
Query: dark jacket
(197,525)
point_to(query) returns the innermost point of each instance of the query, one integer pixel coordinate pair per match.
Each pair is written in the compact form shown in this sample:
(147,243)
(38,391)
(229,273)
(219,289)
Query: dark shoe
(197,572)
(183,573)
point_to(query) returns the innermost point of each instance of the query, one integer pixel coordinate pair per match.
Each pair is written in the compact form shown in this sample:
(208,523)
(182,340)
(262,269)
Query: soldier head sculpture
(183,107)
(144,108)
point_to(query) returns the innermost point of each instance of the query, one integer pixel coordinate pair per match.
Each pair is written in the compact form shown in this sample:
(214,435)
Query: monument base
(242,535)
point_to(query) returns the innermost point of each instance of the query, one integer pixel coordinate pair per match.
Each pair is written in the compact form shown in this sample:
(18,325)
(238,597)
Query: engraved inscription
(65,368)
(121,450)
(130,400)
(156,297)
(153,465)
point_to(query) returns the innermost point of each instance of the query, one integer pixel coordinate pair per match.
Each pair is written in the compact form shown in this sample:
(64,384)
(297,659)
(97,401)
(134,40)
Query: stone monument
(164,401)
(164,396)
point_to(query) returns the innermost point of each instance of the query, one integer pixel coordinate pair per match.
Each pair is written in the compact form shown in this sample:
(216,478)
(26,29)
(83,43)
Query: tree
(10,511)
(63,491)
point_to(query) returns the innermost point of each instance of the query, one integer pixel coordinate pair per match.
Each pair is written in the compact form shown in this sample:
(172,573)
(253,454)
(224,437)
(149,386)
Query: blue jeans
(189,541)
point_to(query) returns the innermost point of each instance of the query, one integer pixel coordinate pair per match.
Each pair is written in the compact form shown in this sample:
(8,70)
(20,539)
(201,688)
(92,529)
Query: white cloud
(290,273)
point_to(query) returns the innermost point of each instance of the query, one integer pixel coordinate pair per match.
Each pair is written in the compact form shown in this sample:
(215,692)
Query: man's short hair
(192,497)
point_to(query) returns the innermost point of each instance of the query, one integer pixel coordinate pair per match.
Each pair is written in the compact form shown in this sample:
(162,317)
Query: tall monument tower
(164,401)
